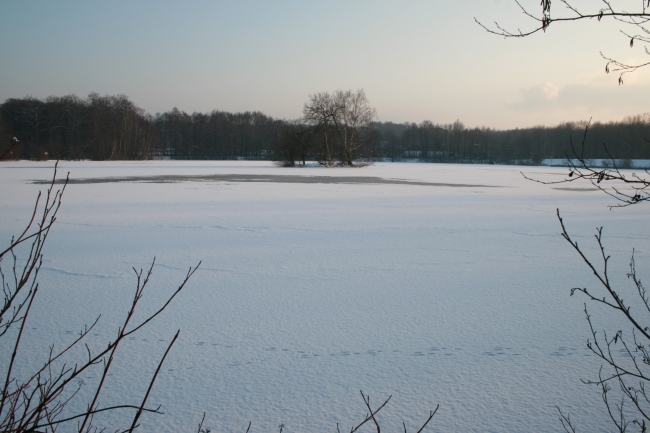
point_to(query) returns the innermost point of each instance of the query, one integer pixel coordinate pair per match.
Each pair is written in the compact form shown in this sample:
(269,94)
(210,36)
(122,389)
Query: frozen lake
(436,284)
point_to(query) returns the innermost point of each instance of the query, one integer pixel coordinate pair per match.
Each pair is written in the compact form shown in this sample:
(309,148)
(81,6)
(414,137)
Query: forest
(115,128)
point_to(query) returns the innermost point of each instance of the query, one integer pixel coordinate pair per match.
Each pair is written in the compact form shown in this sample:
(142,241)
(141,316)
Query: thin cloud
(547,96)
(535,98)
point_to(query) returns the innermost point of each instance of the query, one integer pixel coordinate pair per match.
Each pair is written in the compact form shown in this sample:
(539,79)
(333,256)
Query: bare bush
(625,372)
(44,400)
(40,402)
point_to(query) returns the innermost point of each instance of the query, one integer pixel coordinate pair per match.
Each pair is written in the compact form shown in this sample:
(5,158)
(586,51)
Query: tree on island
(335,130)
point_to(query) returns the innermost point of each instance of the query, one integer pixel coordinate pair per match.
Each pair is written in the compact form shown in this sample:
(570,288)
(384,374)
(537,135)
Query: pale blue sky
(415,59)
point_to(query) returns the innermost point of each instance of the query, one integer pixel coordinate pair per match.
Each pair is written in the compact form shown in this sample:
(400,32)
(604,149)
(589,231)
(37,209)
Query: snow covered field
(450,290)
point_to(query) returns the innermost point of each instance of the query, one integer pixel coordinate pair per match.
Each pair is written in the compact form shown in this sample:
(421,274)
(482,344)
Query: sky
(416,60)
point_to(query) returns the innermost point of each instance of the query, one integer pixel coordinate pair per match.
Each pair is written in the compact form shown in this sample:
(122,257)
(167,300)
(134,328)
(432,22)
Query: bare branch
(637,20)
(153,379)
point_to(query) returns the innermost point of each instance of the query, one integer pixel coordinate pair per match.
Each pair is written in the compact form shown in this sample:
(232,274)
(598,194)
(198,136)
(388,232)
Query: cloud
(537,97)
(546,103)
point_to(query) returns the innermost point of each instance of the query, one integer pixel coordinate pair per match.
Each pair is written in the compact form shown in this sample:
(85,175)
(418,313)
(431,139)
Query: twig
(153,379)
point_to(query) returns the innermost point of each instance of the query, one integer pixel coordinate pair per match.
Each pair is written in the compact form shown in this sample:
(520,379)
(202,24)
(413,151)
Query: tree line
(428,142)
(336,129)
(68,127)
(115,128)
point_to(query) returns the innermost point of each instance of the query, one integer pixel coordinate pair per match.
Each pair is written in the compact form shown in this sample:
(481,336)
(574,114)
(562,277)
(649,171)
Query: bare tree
(636,21)
(291,144)
(353,125)
(341,124)
(320,112)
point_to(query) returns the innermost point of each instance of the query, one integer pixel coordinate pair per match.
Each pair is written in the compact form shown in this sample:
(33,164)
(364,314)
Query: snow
(639,164)
(309,292)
